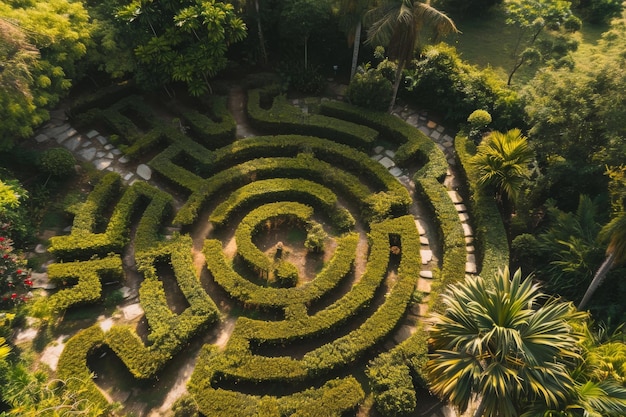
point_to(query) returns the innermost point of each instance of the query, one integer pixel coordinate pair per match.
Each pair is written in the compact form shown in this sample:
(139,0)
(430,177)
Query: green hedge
(492,246)
(101,98)
(412,143)
(283,118)
(251,295)
(72,366)
(275,189)
(213,132)
(450,232)
(82,242)
(323,167)
(87,276)
(295,213)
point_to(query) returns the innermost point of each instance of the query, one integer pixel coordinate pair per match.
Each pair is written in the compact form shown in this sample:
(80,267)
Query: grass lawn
(487,41)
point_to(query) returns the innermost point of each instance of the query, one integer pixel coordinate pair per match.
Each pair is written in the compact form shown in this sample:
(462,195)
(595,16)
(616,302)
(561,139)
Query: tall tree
(500,341)
(351,13)
(300,18)
(615,233)
(401,26)
(502,160)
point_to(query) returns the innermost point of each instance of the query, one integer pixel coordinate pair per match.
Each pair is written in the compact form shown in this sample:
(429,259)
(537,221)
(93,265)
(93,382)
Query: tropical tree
(401,26)
(300,18)
(502,160)
(615,233)
(351,13)
(503,343)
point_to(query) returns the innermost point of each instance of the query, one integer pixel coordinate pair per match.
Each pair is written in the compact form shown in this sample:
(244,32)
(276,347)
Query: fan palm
(399,25)
(502,160)
(500,342)
(615,233)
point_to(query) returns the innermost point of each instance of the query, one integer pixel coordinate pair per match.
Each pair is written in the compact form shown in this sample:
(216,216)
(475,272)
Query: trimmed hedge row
(103,97)
(333,399)
(213,132)
(254,296)
(72,366)
(283,118)
(88,214)
(412,142)
(492,244)
(377,206)
(82,243)
(450,232)
(87,275)
(295,213)
(283,188)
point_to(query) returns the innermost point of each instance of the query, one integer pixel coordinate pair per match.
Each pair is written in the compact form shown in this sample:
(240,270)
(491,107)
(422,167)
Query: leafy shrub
(370,89)
(286,274)
(478,121)
(303,80)
(315,238)
(58,162)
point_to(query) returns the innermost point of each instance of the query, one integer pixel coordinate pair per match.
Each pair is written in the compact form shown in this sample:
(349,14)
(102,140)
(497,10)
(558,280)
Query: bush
(370,89)
(478,121)
(315,238)
(303,80)
(58,162)
(286,274)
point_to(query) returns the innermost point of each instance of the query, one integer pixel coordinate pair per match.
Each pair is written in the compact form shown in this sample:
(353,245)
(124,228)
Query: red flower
(1,239)
(19,271)
(28,282)
(13,296)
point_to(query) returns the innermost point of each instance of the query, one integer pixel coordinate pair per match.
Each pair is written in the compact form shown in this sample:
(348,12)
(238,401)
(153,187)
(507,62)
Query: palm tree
(502,160)
(351,14)
(502,344)
(615,233)
(399,26)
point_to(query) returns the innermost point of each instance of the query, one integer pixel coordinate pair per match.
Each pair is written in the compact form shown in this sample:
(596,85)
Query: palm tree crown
(399,25)
(501,342)
(502,160)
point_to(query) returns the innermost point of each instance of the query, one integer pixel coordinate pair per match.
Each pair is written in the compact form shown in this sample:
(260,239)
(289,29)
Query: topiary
(370,89)
(315,238)
(58,162)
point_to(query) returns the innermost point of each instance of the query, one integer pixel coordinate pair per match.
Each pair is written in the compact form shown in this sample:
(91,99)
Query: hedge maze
(298,337)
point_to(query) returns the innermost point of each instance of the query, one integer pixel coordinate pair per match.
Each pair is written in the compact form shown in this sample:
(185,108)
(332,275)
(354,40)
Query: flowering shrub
(15,279)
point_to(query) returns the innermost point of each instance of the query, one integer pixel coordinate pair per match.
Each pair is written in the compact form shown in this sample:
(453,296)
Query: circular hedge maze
(308,241)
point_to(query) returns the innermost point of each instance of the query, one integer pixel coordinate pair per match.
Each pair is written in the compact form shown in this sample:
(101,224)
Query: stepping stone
(463,217)
(424,240)
(424,130)
(455,196)
(426,274)
(108,146)
(86,144)
(424,285)
(102,140)
(92,134)
(471,258)
(100,154)
(435,135)
(421,226)
(452,161)
(390,153)
(106,324)
(448,138)
(395,171)
(40,248)
(412,120)
(431,124)
(67,229)
(102,164)
(144,172)
(470,249)
(447,144)
(73,143)
(440,128)
(386,162)
(460,207)
(40,280)
(469,240)
(61,137)
(41,138)
(132,311)
(467,230)
(128,176)
(88,153)
(58,130)
(26,335)
(470,268)
(110,155)
(377,157)
(403,334)
(127,292)
(440,146)
(378,149)
(51,354)
(426,255)
(116,152)
(123,160)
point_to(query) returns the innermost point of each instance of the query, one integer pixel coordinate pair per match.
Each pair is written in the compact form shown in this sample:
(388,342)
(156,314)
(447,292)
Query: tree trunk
(598,279)
(260,30)
(396,85)
(355,49)
(306,52)
(481,408)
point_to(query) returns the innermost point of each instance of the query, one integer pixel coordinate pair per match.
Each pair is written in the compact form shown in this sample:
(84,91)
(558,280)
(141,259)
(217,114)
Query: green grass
(487,41)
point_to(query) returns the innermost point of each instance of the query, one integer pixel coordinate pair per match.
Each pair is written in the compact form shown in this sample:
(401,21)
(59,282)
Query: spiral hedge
(297,336)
